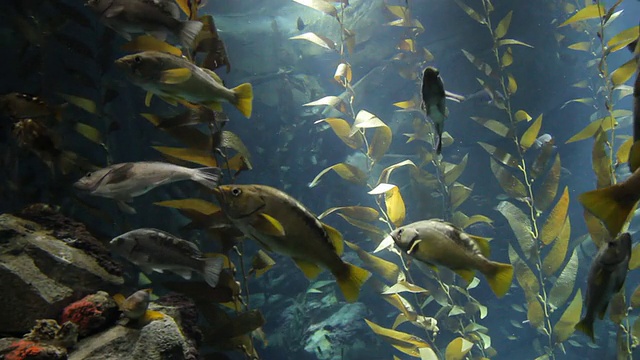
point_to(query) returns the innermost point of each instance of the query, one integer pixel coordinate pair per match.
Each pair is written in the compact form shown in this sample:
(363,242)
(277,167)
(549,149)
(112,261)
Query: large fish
(124,181)
(175,79)
(283,225)
(156,250)
(436,242)
(156,17)
(606,277)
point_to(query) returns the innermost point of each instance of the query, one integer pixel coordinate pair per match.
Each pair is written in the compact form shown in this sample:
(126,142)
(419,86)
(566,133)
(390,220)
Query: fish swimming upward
(433,97)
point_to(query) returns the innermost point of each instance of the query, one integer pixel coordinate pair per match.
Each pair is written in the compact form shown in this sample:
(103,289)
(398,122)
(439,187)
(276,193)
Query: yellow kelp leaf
(451,175)
(634,262)
(314,38)
(399,11)
(563,287)
(89,132)
(320,5)
(500,155)
(620,75)
(623,38)
(583,84)
(531,134)
(83,103)
(343,74)
(346,171)
(332,101)
(366,120)
(503,26)
(520,223)
(459,347)
(504,42)
(549,187)
(512,85)
(556,219)
(357,212)
(150,43)
(459,193)
(507,58)
(558,252)
(606,123)
(600,162)
(535,313)
(472,13)
(479,64)
(407,45)
(589,12)
(427,354)
(380,143)
(598,232)
(508,182)
(622,155)
(384,268)
(586,101)
(395,206)
(493,125)
(374,232)
(571,316)
(522,115)
(197,205)
(343,130)
(414,103)
(525,277)
(581,46)
(407,343)
(634,301)
(349,40)
(191,155)
(404,286)
(617,307)
(386,173)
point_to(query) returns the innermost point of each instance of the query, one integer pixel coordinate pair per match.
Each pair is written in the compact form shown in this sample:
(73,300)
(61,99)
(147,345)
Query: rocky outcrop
(92,313)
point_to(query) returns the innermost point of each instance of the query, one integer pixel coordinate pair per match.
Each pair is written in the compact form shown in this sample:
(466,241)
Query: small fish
(433,102)
(124,181)
(482,96)
(283,225)
(135,307)
(436,242)
(175,79)
(156,17)
(300,25)
(156,250)
(542,140)
(606,277)
(24,106)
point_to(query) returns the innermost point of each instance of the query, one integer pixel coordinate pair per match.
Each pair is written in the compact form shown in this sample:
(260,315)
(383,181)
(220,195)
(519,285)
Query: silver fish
(156,250)
(124,181)
(156,17)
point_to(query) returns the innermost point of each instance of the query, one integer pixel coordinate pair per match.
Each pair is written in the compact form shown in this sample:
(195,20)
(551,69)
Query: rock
(92,313)
(46,341)
(44,273)
(28,350)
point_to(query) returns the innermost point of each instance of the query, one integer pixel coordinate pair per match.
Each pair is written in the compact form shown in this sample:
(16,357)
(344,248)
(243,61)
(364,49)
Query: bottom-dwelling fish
(135,306)
(156,250)
(436,242)
(124,181)
(606,277)
(282,224)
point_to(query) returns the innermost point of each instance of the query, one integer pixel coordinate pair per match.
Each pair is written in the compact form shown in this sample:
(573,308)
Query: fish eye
(137,59)
(236,191)
(88,175)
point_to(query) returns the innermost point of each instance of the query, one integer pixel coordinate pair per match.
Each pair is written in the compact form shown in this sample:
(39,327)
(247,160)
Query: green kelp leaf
(394,205)
(509,183)
(386,269)
(380,143)
(346,171)
(407,343)
(504,42)
(459,194)
(452,174)
(635,330)
(230,140)
(606,123)
(458,347)
(623,38)
(195,156)
(363,213)
(634,262)
(89,132)
(622,155)
(585,101)
(503,26)
(556,219)
(314,38)
(512,85)
(404,286)
(332,101)
(425,354)
(198,205)
(535,313)
(598,232)
(522,115)
(500,155)
(343,130)
(472,13)
(525,277)
(463,221)
(565,326)
(549,187)
(386,173)
(622,74)
(634,302)
(479,64)
(600,161)
(507,58)
(563,286)
(520,223)
(558,252)
(374,232)
(83,103)
(617,307)
(589,12)
(530,136)
(581,46)
(493,125)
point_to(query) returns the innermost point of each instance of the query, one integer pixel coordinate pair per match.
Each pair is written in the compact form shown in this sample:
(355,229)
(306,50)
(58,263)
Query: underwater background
(337,123)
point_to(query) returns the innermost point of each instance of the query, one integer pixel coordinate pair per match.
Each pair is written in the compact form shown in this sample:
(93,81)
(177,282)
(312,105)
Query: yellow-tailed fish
(135,306)
(282,224)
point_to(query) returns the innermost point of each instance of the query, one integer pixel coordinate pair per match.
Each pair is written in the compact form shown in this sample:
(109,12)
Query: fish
(300,25)
(157,250)
(433,102)
(634,152)
(283,225)
(124,181)
(175,79)
(135,307)
(24,106)
(542,140)
(155,17)
(436,242)
(606,277)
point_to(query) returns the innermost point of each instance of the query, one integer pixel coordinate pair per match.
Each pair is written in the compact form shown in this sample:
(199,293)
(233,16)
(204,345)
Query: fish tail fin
(189,31)
(212,268)
(244,98)
(351,280)
(612,205)
(499,278)
(586,326)
(207,176)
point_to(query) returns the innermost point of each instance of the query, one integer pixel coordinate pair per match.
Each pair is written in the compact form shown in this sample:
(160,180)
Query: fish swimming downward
(283,225)
(124,181)
(156,250)
(176,80)
(436,242)
(606,277)
(156,17)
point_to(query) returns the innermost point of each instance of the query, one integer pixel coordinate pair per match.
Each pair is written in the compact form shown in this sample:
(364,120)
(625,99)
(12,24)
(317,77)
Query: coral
(27,350)
(91,313)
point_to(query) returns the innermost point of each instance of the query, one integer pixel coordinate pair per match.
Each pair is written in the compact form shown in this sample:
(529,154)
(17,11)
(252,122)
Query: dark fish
(25,106)
(606,277)
(634,153)
(300,24)
(433,97)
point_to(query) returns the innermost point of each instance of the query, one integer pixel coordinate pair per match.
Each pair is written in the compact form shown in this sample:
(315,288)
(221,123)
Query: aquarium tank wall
(316,179)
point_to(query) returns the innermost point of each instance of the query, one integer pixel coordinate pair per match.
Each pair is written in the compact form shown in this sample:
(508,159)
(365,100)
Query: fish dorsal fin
(119,173)
(213,75)
(268,225)
(483,244)
(147,99)
(335,238)
(175,76)
(310,270)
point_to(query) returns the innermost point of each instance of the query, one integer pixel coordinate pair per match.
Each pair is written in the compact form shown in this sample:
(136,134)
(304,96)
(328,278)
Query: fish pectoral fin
(466,274)
(483,244)
(310,270)
(125,208)
(175,76)
(335,238)
(268,225)
(147,99)
(113,11)
(120,174)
